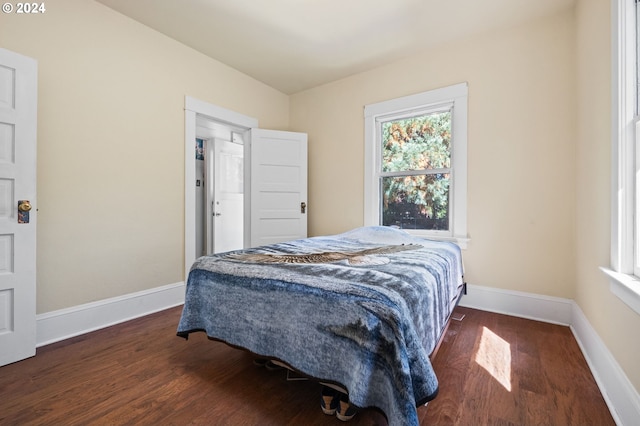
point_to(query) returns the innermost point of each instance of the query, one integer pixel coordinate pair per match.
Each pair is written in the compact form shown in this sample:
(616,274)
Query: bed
(362,310)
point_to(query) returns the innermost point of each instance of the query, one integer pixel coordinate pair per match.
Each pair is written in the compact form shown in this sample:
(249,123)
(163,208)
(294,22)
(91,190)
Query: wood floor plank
(141,373)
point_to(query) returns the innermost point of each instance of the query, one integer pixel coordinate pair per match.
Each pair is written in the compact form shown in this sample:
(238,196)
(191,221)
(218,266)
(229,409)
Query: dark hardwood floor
(493,369)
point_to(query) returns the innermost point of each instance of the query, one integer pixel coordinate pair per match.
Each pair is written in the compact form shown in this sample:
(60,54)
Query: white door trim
(194,107)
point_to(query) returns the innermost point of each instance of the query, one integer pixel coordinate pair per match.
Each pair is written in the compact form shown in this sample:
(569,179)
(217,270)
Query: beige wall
(613,320)
(521,202)
(111,146)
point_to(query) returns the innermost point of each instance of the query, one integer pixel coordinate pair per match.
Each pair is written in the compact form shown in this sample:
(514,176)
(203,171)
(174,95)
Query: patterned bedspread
(362,309)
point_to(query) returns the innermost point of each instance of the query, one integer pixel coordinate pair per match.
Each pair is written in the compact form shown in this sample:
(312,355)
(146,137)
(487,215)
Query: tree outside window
(416,166)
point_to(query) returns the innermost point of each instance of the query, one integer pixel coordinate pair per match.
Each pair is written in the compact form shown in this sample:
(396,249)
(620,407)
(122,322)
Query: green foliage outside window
(416,159)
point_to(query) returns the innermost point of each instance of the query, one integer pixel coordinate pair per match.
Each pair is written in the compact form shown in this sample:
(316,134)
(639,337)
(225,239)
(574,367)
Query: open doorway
(206,121)
(219,186)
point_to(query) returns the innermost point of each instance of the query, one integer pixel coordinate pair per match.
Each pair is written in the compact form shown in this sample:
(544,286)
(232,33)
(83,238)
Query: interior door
(278,202)
(18,102)
(228,199)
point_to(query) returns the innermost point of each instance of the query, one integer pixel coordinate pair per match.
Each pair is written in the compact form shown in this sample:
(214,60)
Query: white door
(228,198)
(278,202)
(18,102)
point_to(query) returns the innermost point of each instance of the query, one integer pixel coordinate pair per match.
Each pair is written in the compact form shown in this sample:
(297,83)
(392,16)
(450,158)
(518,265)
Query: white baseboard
(63,324)
(524,305)
(620,395)
(622,398)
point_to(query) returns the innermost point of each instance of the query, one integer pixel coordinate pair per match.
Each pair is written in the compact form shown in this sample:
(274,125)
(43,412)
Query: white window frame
(625,203)
(455,95)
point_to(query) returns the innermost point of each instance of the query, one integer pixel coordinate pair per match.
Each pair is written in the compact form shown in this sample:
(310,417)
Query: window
(625,232)
(416,163)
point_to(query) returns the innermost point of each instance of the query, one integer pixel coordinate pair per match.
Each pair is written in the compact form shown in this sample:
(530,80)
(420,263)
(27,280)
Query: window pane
(416,202)
(417,143)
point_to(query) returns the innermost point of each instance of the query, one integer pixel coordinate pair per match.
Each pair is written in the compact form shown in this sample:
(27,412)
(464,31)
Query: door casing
(193,108)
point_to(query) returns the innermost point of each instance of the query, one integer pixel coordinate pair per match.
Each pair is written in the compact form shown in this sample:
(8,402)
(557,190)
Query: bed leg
(457,316)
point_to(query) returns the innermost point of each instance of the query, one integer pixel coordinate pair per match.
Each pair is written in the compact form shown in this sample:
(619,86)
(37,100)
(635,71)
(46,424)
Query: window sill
(460,241)
(626,287)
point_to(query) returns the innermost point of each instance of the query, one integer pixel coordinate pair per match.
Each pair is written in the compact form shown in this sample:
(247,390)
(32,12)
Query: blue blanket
(363,309)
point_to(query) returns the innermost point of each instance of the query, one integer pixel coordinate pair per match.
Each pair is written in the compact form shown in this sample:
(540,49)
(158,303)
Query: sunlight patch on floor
(494,355)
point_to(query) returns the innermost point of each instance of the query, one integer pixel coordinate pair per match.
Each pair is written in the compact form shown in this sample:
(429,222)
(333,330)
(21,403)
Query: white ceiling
(293,45)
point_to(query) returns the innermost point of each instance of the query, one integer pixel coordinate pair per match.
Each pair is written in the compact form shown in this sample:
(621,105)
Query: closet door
(278,202)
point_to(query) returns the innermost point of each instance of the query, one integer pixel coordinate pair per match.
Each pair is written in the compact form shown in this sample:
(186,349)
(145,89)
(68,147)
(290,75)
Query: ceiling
(293,45)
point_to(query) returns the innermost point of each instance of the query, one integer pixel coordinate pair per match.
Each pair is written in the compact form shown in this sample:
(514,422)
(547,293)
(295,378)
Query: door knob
(24,205)
(303,207)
